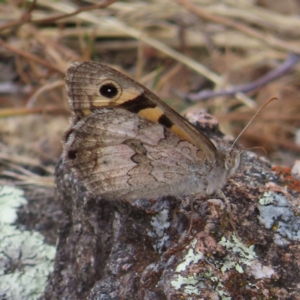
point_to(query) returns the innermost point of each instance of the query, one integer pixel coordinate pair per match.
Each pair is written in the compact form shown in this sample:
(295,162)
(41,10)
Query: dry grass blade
(30,110)
(230,44)
(32,57)
(185,60)
(271,40)
(17,160)
(25,177)
(114,23)
(30,179)
(27,16)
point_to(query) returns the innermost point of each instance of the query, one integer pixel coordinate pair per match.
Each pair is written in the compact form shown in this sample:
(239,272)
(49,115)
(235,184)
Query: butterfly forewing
(84,82)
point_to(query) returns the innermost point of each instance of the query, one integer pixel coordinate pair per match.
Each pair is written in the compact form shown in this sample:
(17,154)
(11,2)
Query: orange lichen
(285,175)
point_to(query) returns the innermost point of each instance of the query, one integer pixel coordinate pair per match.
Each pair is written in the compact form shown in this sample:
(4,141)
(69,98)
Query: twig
(26,18)
(46,87)
(8,112)
(32,57)
(271,139)
(290,62)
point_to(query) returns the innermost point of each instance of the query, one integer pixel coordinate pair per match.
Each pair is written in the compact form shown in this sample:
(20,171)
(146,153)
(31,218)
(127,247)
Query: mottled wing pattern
(125,143)
(86,84)
(118,154)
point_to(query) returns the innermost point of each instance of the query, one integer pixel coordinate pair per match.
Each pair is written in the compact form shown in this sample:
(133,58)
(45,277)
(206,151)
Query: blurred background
(227,58)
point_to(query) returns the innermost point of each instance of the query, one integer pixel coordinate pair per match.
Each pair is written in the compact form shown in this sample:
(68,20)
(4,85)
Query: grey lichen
(276,212)
(10,199)
(160,223)
(25,260)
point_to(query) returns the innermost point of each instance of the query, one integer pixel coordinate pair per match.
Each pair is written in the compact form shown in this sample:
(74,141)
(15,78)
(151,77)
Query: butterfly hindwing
(118,154)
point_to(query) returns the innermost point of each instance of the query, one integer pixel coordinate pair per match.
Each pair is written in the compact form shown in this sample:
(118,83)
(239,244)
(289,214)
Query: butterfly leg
(192,213)
(221,195)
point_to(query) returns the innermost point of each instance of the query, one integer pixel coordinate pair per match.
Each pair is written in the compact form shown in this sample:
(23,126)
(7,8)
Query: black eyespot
(108,90)
(72,154)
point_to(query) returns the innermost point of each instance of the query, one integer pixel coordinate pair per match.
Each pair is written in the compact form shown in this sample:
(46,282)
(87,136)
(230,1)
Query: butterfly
(126,143)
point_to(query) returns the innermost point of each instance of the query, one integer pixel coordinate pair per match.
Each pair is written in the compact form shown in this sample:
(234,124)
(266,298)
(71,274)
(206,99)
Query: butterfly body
(125,143)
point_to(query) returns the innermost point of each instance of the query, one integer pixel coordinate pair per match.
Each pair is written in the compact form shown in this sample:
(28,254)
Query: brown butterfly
(126,143)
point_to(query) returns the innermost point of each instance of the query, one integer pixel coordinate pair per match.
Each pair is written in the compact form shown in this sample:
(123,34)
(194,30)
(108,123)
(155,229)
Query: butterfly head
(227,162)
(232,161)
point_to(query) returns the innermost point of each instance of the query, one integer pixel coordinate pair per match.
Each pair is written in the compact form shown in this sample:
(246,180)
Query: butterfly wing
(120,155)
(91,85)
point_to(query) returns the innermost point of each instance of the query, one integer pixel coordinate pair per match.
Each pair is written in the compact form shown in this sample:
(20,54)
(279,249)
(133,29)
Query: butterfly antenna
(255,115)
(261,148)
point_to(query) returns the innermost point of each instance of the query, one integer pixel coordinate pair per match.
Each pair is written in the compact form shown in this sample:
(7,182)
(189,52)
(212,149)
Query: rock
(143,250)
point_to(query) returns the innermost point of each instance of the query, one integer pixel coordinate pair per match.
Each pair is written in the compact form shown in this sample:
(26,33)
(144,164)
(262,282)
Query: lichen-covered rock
(25,259)
(143,250)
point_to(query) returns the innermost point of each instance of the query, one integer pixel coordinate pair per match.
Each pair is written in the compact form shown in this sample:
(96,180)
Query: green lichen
(266,199)
(238,254)
(190,258)
(192,284)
